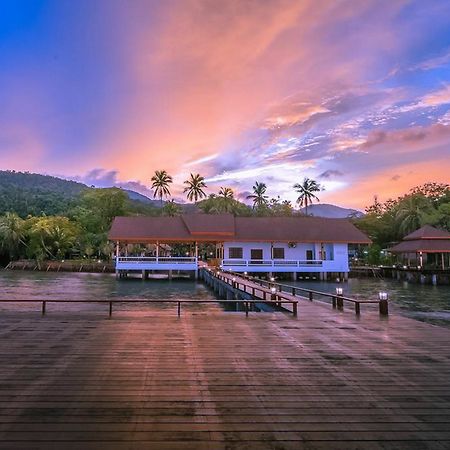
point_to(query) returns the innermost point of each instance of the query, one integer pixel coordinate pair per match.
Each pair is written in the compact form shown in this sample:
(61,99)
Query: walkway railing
(178,302)
(337,300)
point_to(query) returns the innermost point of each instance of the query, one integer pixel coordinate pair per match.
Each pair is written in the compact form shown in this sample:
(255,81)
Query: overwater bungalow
(425,247)
(241,244)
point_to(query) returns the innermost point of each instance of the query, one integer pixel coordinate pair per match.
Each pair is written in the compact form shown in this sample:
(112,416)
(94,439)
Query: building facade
(241,244)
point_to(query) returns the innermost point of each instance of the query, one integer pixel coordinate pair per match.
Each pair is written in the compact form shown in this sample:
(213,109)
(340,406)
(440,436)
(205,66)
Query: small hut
(425,247)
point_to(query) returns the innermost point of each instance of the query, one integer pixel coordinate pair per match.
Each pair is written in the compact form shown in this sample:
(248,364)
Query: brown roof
(427,232)
(225,227)
(422,245)
(426,239)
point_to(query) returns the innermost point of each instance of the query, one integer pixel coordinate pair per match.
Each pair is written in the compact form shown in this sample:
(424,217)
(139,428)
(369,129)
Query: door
(309,255)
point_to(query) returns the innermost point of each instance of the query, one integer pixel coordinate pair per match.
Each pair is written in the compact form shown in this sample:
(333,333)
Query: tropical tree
(160,184)
(171,209)
(411,213)
(226,193)
(307,190)
(194,187)
(12,233)
(258,197)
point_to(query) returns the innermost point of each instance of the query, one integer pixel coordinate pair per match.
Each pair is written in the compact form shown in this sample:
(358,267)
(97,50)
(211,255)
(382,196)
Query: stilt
(294,276)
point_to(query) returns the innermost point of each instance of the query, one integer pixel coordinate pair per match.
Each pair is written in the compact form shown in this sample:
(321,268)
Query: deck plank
(147,379)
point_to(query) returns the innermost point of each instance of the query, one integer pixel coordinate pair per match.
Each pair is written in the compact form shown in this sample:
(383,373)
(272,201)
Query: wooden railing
(110,303)
(337,300)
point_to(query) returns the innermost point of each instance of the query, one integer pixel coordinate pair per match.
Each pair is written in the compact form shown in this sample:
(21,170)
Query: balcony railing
(156,260)
(271,263)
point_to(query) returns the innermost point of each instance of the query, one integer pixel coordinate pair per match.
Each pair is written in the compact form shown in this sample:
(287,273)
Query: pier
(209,379)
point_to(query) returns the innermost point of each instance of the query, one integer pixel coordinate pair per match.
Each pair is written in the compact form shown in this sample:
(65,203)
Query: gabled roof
(225,227)
(426,239)
(427,232)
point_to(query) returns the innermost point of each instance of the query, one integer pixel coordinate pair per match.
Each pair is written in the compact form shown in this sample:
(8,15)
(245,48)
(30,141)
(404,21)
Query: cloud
(330,173)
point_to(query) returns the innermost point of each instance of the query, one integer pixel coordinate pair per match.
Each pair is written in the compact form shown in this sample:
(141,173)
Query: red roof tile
(427,232)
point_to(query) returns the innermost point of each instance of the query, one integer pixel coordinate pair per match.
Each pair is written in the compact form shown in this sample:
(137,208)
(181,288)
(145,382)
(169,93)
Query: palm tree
(160,184)
(411,213)
(194,188)
(226,193)
(258,197)
(171,209)
(306,191)
(12,233)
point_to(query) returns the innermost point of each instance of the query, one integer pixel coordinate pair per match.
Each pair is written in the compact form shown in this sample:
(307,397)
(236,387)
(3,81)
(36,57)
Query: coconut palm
(194,187)
(160,184)
(12,233)
(258,197)
(226,193)
(306,189)
(411,212)
(171,209)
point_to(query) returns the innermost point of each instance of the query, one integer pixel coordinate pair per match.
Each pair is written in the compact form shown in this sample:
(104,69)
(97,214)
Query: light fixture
(245,273)
(273,290)
(339,291)
(383,295)
(272,279)
(234,279)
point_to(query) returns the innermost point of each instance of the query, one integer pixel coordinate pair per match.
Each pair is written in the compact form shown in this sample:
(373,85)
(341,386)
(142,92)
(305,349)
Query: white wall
(336,254)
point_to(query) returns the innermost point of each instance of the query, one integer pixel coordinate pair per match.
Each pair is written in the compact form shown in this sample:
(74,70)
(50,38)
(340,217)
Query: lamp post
(339,300)
(273,292)
(384,305)
(234,282)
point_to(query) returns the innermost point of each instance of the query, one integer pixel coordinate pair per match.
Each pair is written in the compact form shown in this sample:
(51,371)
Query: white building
(242,244)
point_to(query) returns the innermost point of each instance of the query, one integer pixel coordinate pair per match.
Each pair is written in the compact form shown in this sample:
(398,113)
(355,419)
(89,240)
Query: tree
(226,193)
(160,184)
(411,212)
(171,209)
(306,191)
(12,233)
(194,187)
(258,197)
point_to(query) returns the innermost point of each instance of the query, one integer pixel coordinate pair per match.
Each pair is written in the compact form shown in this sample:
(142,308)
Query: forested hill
(33,194)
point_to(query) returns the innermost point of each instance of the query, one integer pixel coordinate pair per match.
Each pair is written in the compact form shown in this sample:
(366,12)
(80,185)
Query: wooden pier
(216,380)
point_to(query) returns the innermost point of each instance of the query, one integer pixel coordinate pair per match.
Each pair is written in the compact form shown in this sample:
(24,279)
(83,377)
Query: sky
(352,93)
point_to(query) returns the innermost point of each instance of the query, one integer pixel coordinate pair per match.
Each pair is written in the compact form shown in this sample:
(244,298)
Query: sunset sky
(355,94)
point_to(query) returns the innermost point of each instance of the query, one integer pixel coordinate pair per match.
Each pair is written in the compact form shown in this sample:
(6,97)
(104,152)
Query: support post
(110,309)
(246,309)
(179,309)
(294,309)
(43,308)
(334,301)
(310,296)
(357,308)
(340,302)
(384,308)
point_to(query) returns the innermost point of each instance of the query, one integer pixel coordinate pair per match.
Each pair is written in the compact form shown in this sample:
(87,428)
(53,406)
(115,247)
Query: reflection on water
(86,286)
(422,302)
(429,303)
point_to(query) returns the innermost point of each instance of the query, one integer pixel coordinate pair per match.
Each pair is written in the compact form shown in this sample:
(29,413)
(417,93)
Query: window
(278,253)
(256,253)
(235,253)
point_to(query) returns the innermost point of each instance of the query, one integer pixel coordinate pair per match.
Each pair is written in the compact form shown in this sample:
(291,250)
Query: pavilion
(426,247)
(239,244)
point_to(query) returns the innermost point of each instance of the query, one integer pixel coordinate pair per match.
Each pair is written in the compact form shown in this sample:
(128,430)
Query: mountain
(331,211)
(33,194)
(136,196)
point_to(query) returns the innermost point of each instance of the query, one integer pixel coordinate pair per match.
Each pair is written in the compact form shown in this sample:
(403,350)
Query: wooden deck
(215,380)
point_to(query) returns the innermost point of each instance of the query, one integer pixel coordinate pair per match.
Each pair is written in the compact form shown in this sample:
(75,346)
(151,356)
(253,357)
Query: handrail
(337,300)
(273,262)
(277,299)
(179,302)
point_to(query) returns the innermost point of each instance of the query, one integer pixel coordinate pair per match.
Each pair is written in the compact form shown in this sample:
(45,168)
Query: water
(422,302)
(16,285)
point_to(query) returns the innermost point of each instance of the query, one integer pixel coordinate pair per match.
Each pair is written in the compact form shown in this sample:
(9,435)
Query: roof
(426,239)
(427,232)
(226,227)
(422,245)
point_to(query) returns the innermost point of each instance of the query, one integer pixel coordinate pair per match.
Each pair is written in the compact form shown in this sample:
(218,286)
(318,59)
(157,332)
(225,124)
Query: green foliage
(388,222)
(171,209)
(258,197)
(194,187)
(306,191)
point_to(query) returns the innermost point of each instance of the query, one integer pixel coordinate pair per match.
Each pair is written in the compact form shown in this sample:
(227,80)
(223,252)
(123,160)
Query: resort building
(427,247)
(240,244)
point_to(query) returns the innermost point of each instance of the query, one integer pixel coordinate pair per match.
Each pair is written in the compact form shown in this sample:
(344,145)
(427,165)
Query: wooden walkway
(215,380)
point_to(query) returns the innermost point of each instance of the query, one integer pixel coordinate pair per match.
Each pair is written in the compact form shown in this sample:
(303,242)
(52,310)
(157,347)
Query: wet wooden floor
(325,380)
